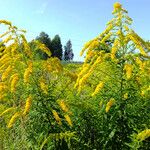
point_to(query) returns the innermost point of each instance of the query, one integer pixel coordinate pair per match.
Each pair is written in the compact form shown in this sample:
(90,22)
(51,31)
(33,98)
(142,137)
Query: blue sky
(78,20)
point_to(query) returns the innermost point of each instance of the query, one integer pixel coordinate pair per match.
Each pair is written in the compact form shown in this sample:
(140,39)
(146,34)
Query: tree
(68,53)
(56,47)
(44,39)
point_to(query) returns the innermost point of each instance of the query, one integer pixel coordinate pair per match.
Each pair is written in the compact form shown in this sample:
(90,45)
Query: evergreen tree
(68,53)
(45,39)
(57,47)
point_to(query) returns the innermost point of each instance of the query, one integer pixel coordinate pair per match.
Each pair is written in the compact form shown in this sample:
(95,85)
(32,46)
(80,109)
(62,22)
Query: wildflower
(84,78)
(126,28)
(56,116)
(109,104)
(113,52)
(68,120)
(2,87)
(94,44)
(44,87)
(142,51)
(7,39)
(6,72)
(45,49)
(27,73)
(98,88)
(85,47)
(7,110)
(28,105)
(128,69)
(98,60)
(106,37)
(27,49)
(5,22)
(14,81)
(13,119)
(4,34)
(143,135)
(117,6)
(114,48)
(63,105)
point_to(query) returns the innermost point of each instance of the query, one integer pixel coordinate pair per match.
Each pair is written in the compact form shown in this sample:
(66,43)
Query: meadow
(100,104)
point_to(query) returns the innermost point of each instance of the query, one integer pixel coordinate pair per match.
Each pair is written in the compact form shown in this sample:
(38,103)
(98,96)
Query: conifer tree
(57,47)
(68,53)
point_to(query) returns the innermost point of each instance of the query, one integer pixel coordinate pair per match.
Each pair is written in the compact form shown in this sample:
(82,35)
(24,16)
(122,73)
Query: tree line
(55,46)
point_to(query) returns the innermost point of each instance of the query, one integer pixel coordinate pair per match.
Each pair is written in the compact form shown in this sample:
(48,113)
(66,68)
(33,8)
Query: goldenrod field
(100,104)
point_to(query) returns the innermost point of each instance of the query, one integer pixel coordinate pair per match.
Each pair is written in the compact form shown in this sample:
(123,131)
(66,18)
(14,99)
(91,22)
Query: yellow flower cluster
(28,105)
(106,37)
(94,44)
(6,73)
(63,105)
(47,66)
(14,81)
(128,68)
(114,48)
(98,88)
(106,31)
(138,43)
(88,68)
(83,79)
(44,87)
(2,87)
(83,71)
(56,65)
(117,6)
(68,120)
(43,48)
(90,55)
(85,47)
(6,111)
(109,104)
(140,63)
(98,60)
(27,73)
(13,119)
(143,135)
(6,40)
(5,22)
(5,59)
(126,28)
(56,116)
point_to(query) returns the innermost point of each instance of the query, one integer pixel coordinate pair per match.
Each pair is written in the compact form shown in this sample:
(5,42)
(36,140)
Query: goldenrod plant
(100,104)
(119,79)
(29,91)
